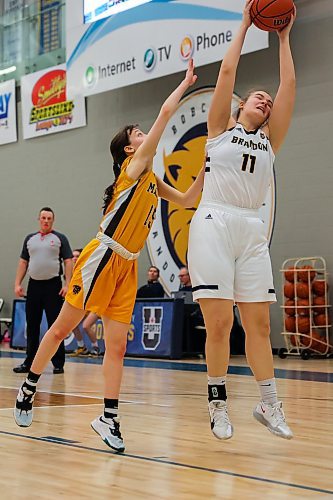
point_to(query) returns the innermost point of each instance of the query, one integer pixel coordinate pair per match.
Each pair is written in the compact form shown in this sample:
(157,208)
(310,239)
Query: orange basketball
(289,290)
(305,341)
(321,320)
(293,339)
(318,346)
(289,274)
(290,307)
(290,324)
(271,15)
(306,275)
(304,310)
(319,301)
(303,324)
(302,290)
(318,287)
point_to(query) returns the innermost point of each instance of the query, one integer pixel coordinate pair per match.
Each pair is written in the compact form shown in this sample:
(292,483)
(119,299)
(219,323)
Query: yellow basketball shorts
(104,283)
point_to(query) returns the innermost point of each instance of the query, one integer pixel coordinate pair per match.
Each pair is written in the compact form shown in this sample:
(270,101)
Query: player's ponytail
(117,149)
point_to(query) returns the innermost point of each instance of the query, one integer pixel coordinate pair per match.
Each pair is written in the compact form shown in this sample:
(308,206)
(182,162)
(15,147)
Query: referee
(42,257)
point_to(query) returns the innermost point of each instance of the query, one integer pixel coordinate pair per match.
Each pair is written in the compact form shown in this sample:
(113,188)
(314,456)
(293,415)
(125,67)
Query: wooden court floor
(170,452)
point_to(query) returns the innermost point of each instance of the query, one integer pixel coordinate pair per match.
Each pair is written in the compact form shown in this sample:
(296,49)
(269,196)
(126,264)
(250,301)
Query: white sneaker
(23,411)
(219,420)
(109,432)
(272,417)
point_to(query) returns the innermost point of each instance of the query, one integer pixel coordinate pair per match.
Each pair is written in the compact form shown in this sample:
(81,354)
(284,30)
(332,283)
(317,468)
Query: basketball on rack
(271,15)
(290,324)
(304,310)
(302,290)
(303,324)
(289,290)
(289,274)
(306,273)
(319,301)
(305,341)
(318,346)
(321,320)
(290,307)
(318,287)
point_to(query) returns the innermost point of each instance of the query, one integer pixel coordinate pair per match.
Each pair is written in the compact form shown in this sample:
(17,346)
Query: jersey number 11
(246,158)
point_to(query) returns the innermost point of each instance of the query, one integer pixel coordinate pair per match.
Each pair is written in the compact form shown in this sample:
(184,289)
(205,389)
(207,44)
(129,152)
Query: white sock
(94,344)
(216,380)
(80,343)
(268,391)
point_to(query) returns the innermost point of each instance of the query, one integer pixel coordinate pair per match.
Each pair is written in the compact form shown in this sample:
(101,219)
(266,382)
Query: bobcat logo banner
(179,157)
(151,327)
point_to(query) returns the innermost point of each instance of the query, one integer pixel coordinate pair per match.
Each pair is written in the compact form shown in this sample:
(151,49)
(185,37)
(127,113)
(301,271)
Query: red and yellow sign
(45,105)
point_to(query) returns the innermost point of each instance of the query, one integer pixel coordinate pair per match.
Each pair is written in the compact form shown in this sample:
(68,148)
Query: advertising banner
(8,129)
(139,41)
(46,105)
(153,331)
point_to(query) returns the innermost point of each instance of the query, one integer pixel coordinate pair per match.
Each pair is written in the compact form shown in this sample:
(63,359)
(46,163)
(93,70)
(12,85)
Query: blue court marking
(169,462)
(196,367)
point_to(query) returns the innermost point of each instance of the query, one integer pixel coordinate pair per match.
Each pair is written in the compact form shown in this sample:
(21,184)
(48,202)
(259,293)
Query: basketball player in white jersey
(228,251)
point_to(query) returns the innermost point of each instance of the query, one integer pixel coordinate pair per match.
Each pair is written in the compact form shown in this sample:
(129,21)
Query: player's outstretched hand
(190,77)
(284,33)
(247,21)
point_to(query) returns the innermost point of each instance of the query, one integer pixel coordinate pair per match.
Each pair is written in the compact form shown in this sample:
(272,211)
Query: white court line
(93,397)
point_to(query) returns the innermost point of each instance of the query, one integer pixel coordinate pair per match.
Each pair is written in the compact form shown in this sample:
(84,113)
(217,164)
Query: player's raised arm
(219,112)
(284,101)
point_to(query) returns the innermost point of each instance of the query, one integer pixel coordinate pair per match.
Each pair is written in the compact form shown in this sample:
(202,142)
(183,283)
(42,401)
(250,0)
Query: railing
(32,36)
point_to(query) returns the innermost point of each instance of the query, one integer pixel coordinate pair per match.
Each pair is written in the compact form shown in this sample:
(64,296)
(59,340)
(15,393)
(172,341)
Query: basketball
(307,274)
(319,301)
(318,287)
(318,346)
(290,307)
(303,324)
(289,274)
(321,320)
(302,290)
(293,339)
(304,310)
(289,290)
(271,15)
(305,341)
(290,324)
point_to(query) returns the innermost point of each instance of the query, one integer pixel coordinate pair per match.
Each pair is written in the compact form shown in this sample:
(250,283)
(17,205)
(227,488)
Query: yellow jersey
(131,212)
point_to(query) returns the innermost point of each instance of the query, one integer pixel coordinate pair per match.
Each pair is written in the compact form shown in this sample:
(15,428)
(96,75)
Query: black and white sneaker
(23,411)
(95,352)
(219,420)
(109,430)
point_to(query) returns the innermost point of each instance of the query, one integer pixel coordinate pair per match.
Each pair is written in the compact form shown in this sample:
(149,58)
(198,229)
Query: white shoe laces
(220,414)
(278,414)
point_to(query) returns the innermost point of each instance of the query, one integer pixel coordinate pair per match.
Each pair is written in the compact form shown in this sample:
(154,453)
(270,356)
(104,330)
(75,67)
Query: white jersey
(239,168)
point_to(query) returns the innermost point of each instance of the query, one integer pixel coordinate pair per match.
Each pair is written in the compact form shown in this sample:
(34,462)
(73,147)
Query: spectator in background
(42,256)
(87,325)
(153,288)
(185,280)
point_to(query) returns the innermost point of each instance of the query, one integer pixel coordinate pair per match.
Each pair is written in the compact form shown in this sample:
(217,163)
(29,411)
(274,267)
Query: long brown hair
(117,150)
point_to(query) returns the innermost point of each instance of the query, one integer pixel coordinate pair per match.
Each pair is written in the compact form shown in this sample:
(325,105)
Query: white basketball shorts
(228,255)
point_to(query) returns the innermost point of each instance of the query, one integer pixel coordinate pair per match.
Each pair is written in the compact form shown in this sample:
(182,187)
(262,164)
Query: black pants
(43,295)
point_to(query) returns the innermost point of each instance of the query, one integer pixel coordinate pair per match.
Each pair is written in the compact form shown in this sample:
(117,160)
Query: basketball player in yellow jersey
(105,276)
